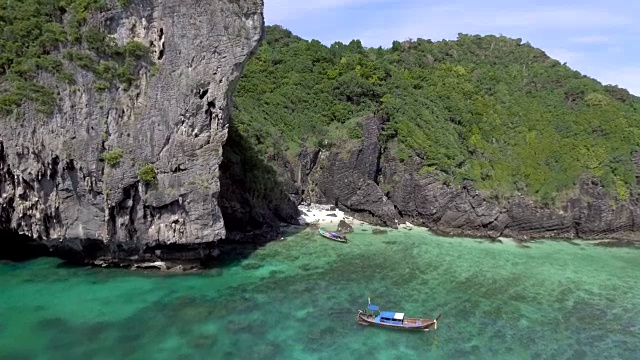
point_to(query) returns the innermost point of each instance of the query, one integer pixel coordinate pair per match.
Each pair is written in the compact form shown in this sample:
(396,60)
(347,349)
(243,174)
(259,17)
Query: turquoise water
(297,299)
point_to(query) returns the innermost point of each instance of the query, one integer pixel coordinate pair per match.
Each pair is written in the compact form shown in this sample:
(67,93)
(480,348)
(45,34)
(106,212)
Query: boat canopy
(392,315)
(374,307)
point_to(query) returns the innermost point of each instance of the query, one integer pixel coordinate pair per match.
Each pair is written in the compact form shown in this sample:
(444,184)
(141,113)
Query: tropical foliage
(490,109)
(41,36)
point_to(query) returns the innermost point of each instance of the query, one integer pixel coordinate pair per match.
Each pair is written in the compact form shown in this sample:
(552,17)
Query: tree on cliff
(490,109)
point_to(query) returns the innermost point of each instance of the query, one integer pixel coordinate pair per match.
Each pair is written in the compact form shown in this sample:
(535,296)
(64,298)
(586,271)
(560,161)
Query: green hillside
(490,109)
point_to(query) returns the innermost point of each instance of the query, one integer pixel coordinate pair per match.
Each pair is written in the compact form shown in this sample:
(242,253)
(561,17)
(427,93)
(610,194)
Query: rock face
(353,178)
(349,179)
(55,188)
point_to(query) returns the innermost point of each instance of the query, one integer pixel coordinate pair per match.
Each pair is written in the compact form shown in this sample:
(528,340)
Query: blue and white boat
(394,320)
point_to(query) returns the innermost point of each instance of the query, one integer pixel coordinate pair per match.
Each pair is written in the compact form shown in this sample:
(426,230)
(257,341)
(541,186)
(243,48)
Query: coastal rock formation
(348,178)
(55,186)
(355,182)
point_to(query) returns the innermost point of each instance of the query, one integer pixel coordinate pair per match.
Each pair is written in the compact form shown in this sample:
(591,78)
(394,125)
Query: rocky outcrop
(347,178)
(54,186)
(344,227)
(354,179)
(424,200)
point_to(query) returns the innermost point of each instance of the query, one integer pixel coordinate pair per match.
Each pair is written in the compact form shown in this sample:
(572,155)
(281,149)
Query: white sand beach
(324,214)
(329,214)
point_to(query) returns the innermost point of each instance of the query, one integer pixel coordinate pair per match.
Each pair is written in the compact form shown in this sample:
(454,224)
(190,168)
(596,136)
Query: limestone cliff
(55,186)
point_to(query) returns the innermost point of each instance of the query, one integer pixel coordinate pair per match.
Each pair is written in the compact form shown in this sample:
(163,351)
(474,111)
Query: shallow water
(297,299)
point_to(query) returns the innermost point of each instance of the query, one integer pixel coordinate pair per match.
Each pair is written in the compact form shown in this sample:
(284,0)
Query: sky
(600,39)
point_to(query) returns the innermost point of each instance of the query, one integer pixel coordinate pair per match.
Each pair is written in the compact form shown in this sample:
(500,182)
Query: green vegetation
(147,174)
(39,35)
(112,157)
(490,109)
(243,166)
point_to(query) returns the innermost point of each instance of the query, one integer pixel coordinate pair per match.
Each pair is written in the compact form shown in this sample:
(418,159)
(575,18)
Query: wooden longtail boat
(395,320)
(336,236)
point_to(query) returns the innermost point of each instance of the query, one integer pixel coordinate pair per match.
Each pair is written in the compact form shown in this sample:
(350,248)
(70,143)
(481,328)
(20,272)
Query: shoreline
(320,214)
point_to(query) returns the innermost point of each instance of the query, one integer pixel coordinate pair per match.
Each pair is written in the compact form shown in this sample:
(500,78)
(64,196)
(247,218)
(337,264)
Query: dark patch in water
(579,354)
(251,265)
(53,325)
(619,243)
(267,351)
(63,342)
(129,335)
(235,325)
(127,350)
(97,329)
(291,256)
(203,341)
(320,340)
(306,267)
(571,242)
(274,273)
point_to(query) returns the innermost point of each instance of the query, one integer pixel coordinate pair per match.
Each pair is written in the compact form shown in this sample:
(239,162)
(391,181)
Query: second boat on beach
(333,235)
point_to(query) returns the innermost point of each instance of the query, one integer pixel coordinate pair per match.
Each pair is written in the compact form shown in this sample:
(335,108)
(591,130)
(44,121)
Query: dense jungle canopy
(490,109)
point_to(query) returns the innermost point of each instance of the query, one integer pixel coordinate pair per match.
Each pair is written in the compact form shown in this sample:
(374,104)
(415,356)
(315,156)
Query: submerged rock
(344,227)
(251,265)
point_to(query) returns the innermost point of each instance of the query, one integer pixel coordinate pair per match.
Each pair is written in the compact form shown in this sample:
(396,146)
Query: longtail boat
(336,236)
(394,320)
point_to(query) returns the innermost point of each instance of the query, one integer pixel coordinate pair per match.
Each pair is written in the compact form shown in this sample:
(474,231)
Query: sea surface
(297,298)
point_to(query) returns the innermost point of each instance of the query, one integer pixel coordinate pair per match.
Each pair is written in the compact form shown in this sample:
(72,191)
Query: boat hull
(327,235)
(415,324)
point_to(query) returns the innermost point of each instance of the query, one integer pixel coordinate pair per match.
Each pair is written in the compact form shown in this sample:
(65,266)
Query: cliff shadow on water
(254,202)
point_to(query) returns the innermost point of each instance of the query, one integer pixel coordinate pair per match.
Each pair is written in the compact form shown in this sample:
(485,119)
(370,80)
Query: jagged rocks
(349,181)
